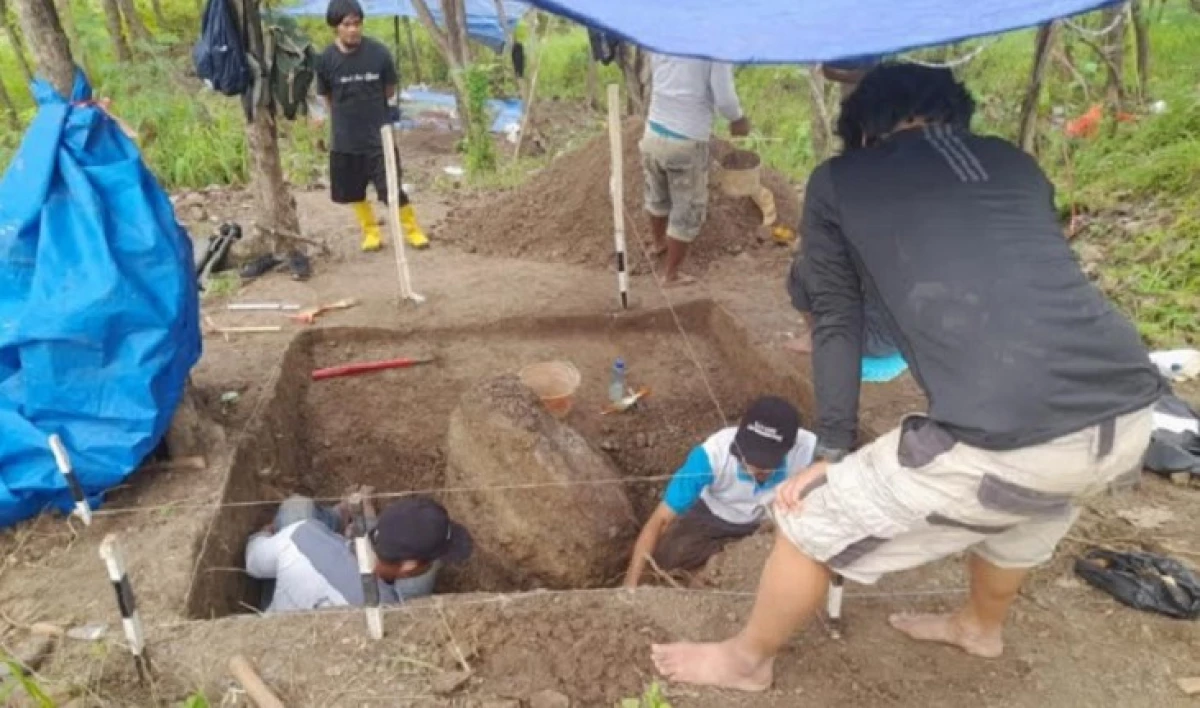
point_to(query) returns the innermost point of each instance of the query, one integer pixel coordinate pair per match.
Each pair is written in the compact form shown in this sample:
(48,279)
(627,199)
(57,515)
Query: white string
(186,505)
(629,595)
(954,63)
(1119,17)
(687,341)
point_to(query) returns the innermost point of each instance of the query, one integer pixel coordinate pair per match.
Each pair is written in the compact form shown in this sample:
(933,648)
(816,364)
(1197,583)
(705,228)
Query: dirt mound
(564,214)
(563,536)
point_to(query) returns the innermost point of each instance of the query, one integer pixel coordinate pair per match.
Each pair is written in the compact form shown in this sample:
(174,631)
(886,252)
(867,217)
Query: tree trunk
(10,108)
(276,206)
(48,42)
(821,126)
(278,219)
(1114,54)
(635,70)
(137,29)
(593,82)
(449,42)
(14,39)
(457,9)
(112,18)
(412,51)
(159,16)
(67,18)
(1041,58)
(1141,36)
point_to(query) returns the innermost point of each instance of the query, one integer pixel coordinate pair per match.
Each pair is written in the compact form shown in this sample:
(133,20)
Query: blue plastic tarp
(98,306)
(483,22)
(506,112)
(806,31)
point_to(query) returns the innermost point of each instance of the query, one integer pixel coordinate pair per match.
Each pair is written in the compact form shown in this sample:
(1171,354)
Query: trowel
(627,402)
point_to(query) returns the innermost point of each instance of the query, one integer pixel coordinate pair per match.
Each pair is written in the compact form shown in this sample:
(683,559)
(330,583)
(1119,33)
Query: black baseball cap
(419,529)
(767,433)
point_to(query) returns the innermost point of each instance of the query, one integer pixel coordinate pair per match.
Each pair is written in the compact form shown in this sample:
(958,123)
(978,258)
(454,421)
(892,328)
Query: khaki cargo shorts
(676,173)
(916,495)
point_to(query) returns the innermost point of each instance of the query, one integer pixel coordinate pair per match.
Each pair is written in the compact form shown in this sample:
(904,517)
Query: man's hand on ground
(740,128)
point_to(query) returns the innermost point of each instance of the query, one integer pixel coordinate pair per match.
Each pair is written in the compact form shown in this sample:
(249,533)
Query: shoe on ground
(299,266)
(259,266)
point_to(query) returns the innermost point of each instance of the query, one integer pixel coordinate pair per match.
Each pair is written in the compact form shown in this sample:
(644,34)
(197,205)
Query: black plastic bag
(1144,581)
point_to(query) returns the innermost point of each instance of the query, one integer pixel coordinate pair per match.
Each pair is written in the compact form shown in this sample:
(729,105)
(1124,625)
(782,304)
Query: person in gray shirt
(1039,391)
(307,554)
(685,96)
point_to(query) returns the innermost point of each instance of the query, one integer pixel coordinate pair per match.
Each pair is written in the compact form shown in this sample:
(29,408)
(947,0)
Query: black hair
(895,92)
(339,10)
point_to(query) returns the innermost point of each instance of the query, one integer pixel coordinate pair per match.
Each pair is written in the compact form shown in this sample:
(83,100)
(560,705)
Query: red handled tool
(366,367)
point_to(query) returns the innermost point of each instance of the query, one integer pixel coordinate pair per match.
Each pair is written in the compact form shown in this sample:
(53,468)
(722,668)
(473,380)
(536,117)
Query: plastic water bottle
(616,387)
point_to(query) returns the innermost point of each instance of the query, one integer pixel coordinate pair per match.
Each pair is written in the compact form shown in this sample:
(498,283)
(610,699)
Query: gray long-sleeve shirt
(685,92)
(956,236)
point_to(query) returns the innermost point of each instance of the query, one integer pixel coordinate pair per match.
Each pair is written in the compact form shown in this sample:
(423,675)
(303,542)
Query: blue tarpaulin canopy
(806,31)
(483,22)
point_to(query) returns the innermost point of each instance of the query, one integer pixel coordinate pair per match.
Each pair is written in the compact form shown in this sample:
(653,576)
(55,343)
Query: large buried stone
(564,536)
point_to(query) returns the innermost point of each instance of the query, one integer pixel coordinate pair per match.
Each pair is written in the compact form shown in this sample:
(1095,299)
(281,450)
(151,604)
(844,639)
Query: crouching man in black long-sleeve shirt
(1039,391)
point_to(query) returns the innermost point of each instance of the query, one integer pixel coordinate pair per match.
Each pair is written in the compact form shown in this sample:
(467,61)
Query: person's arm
(725,98)
(682,493)
(324,88)
(835,294)
(262,553)
(647,541)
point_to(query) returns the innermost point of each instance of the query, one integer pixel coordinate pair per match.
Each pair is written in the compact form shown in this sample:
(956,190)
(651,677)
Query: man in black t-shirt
(357,77)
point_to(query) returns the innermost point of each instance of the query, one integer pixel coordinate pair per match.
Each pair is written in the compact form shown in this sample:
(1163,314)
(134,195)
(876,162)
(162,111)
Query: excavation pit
(392,430)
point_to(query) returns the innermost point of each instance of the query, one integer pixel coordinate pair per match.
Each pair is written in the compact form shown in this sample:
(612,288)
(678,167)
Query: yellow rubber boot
(372,241)
(412,230)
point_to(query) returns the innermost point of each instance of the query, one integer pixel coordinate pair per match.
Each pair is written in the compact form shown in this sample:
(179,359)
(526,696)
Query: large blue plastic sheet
(806,31)
(483,22)
(98,306)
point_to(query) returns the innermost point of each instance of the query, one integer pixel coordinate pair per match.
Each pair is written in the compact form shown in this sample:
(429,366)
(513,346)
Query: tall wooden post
(1041,58)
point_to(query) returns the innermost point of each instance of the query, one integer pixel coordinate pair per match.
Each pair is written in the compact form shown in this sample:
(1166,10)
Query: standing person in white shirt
(685,94)
(722,490)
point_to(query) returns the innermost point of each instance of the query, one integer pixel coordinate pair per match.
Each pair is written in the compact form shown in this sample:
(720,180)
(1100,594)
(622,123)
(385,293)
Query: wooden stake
(131,621)
(244,673)
(1033,93)
(540,38)
(63,461)
(395,227)
(833,606)
(366,567)
(617,188)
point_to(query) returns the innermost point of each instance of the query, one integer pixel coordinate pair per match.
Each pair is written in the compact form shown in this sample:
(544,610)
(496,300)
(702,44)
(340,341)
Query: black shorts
(350,173)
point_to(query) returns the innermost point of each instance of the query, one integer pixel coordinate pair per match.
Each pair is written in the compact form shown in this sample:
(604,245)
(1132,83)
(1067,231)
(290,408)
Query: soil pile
(561,535)
(564,213)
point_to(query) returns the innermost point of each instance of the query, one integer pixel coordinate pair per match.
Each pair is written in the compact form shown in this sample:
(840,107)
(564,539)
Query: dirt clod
(449,682)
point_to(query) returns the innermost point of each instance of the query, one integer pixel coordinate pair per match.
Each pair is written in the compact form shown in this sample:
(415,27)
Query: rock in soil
(561,535)
(450,682)
(29,654)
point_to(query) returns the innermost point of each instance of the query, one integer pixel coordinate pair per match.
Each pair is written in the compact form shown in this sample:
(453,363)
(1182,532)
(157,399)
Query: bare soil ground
(1068,645)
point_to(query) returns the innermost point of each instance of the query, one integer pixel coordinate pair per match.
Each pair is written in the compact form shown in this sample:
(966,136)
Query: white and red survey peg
(63,461)
(366,367)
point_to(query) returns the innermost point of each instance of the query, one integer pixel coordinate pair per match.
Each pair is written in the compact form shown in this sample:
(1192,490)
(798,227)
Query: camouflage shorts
(676,174)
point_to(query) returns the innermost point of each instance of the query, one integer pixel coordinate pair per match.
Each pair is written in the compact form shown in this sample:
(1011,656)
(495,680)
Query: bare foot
(948,629)
(717,664)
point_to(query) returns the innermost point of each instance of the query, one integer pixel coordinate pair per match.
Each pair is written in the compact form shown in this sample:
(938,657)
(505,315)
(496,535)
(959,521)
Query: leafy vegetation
(481,149)
(27,683)
(651,698)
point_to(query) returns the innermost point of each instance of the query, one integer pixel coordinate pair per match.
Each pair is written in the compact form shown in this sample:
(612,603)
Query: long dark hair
(896,92)
(339,10)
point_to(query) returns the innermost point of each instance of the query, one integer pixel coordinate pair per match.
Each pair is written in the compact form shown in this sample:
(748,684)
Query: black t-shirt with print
(356,84)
